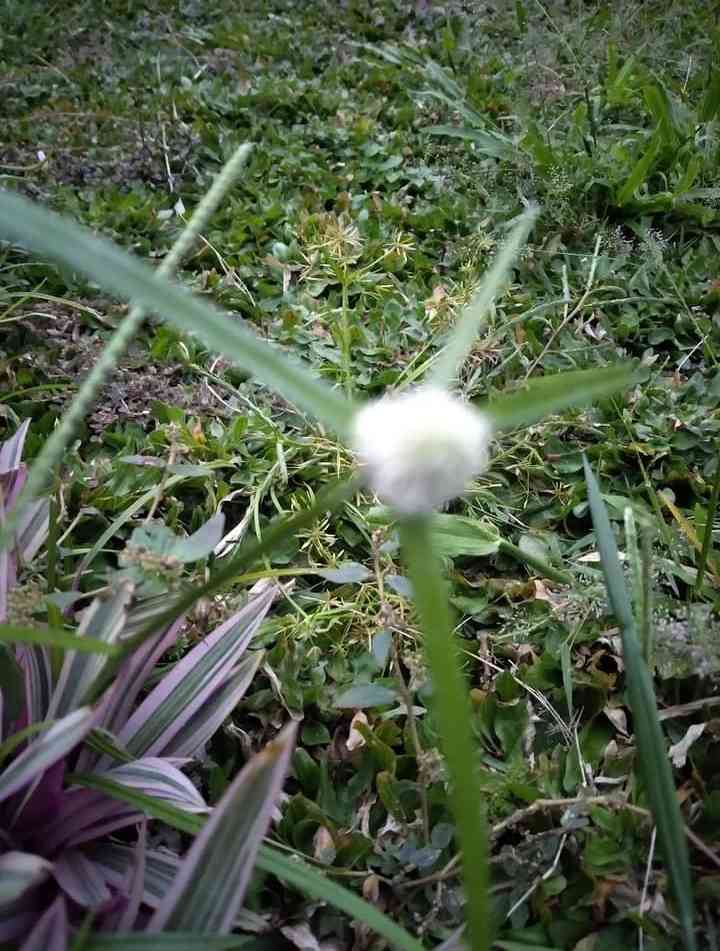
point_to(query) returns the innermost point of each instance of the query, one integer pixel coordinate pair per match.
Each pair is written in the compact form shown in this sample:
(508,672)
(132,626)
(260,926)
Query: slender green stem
(346,334)
(53,450)
(454,717)
(707,536)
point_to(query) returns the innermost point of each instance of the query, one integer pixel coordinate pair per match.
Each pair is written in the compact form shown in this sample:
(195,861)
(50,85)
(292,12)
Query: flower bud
(419,449)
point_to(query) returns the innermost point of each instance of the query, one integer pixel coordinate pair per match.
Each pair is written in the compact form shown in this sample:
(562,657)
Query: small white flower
(419,449)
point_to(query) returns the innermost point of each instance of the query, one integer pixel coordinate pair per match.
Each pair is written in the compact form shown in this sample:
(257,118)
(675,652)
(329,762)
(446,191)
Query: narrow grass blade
(552,393)
(465,332)
(652,753)
(118,272)
(55,637)
(454,717)
(708,533)
(52,451)
(210,885)
(288,869)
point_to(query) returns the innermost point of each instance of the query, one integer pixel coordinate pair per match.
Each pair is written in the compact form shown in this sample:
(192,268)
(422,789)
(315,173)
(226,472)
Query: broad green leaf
(454,718)
(47,749)
(454,536)
(348,573)
(55,637)
(366,695)
(549,394)
(157,538)
(464,334)
(289,869)
(210,884)
(118,272)
(652,751)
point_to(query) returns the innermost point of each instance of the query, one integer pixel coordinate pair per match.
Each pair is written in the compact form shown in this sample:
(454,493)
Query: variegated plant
(58,862)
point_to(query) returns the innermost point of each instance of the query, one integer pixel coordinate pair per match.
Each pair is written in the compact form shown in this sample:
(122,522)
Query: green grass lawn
(392,148)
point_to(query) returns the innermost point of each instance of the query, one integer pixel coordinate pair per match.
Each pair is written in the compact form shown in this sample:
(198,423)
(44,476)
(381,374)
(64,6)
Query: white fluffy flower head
(419,449)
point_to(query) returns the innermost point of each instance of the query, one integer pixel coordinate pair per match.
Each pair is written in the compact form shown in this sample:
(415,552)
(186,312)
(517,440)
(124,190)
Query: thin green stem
(454,717)
(53,450)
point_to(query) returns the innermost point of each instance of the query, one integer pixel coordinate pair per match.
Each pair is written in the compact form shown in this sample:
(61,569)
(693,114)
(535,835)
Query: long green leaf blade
(55,637)
(454,716)
(549,394)
(118,272)
(466,330)
(652,753)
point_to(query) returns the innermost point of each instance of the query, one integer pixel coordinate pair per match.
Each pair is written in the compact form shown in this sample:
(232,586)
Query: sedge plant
(416,450)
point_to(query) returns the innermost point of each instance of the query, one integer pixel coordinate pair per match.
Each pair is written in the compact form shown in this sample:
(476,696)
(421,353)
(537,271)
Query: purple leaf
(105,621)
(135,882)
(51,932)
(209,718)
(43,804)
(80,879)
(175,700)
(46,750)
(12,449)
(84,815)
(210,885)
(17,918)
(117,860)
(20,871)
(35,662)
(117,703)
(32,529)
(157,777)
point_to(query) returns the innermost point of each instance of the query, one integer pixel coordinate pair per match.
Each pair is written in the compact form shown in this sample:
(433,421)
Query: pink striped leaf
(210,886)
(193,680)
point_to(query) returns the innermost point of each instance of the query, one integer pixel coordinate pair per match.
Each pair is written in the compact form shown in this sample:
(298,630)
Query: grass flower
(419,449)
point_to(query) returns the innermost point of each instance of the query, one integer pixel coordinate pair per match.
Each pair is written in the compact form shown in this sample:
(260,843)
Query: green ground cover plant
(491,716)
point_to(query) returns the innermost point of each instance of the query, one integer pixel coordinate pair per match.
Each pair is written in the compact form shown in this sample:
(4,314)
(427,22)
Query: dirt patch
(72,350)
